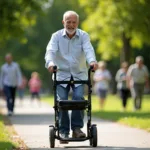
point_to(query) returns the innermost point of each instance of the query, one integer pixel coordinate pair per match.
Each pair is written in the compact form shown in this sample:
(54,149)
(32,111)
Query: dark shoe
(77,133)
(64,136)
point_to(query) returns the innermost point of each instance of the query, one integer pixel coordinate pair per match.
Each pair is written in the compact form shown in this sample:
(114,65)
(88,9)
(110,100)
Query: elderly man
(138,77)
(10,79)
(69,49)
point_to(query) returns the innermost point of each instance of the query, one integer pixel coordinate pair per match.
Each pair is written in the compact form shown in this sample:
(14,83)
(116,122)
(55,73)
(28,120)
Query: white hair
(102,64)
(138,58)
(68,13)
(8,55)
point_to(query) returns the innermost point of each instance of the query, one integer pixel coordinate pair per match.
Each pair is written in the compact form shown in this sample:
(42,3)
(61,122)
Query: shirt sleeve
(88,49)
(52,47)
(95,76)
(19,75)
(109,75)
(1,78)
(129,72)
(117,77)
(146,71)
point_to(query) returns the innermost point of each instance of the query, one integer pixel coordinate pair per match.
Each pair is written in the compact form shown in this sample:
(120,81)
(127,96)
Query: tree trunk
(125,52)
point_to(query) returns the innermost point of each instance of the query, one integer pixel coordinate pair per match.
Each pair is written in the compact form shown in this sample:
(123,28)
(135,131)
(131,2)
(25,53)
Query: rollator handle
(91,68)
(54,69)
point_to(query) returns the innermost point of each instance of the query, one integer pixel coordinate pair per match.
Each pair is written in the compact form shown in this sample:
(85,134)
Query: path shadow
(32,119)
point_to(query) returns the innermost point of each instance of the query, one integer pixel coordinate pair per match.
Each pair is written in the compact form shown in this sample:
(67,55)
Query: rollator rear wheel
(93,140)
(52,137)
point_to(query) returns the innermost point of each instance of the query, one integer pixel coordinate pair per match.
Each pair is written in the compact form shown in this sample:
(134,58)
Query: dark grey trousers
(137,93)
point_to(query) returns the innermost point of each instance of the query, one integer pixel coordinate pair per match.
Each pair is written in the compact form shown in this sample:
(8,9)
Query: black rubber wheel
(90,134)
(52,137)
(91,142)
(94,136)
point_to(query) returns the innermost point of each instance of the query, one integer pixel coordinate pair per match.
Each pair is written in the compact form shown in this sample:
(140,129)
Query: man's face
(70,24)
(139,63)
(8,59)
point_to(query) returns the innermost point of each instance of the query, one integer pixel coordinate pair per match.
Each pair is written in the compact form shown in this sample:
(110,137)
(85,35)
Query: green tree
(117,26)
(30,54)
(16,16)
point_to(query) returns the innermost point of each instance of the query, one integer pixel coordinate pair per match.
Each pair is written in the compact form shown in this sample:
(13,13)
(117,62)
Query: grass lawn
(112,111)
(7,136)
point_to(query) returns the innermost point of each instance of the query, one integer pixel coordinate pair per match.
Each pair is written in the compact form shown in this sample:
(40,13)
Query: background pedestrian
(121,79)
(138,78)
(35,86)
(10,79)
(101,78)
(22,88)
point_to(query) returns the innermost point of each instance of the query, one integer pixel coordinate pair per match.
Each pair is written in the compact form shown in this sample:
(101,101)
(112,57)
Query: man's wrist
(50,64)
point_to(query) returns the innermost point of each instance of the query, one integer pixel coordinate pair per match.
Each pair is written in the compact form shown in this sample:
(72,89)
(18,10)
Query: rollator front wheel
(93,140)
(52,137)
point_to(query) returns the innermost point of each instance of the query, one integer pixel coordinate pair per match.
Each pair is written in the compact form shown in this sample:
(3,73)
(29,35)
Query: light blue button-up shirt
(70,55)
(10,75)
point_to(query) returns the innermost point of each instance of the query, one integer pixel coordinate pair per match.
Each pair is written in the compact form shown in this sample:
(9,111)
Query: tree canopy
(29,52)
(117,25)
(114,26)
(16,16)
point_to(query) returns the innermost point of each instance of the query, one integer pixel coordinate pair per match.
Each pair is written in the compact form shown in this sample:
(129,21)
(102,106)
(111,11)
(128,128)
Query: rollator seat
(72,104)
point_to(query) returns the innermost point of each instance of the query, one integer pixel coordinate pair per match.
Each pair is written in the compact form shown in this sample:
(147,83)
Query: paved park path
(31,121)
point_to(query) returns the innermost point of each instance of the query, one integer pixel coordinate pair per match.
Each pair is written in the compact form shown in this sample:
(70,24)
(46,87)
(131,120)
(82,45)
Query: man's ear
(62,21)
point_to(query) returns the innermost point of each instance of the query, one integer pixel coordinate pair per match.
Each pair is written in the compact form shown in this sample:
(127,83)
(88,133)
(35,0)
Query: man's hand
(94,64)
(51,69)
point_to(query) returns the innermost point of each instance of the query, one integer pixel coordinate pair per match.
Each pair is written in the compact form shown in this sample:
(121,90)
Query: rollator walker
(73,105)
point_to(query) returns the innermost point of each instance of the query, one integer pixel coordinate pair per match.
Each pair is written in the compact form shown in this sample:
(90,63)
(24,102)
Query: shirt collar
(136,65)
(9,64)
(64,33)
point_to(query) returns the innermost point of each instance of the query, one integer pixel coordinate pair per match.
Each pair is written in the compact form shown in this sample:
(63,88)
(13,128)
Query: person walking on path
(69,49)
(35,86)
(21,89)
(10,79)
(121,79)
(102,78)
(138,77)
